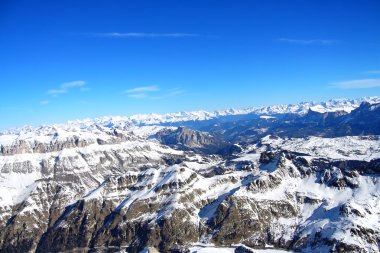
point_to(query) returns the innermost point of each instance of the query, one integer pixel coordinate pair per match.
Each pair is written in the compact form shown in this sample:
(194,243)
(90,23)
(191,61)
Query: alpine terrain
(300,178)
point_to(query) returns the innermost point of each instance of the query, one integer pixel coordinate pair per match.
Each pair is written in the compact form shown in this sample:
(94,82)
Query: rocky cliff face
(185,138)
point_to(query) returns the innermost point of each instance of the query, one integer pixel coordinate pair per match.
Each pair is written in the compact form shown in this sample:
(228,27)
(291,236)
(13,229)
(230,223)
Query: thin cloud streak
(153,92)
(309,42)
(65,87)
(144,35)
(56,91)
(138,95)
(152,88)
(171,93)
(73,84)
(357,84)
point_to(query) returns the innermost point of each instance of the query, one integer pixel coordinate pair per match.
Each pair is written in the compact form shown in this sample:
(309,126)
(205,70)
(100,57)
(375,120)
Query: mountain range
(302,178)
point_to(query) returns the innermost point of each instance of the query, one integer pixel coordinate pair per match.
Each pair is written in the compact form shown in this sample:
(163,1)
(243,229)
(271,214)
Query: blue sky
(63,60)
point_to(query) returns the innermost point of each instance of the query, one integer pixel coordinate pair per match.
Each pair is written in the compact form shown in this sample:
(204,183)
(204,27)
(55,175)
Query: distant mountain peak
(125,122)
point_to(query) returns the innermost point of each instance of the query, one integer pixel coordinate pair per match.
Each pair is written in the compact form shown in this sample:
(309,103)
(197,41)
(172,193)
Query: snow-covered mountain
(140,183)
(333,105)
(124,122)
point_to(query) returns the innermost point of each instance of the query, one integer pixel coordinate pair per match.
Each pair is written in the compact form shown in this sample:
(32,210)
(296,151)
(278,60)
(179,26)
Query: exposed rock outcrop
(185,138)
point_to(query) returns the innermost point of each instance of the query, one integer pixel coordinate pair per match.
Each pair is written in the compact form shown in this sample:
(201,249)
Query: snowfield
(211,249)
(341,148)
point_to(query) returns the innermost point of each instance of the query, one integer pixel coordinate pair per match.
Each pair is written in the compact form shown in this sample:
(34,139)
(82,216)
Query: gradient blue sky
(62,60)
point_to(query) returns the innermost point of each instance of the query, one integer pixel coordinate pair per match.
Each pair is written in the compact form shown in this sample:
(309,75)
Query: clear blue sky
(62,60)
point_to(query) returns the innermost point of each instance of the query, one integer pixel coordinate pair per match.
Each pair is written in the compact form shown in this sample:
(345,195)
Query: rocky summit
(300,178)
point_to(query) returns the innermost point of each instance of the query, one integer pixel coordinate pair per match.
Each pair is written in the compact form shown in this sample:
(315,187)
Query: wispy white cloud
(56,91)
(357,84)
(73,84)
(170,93)
(44,102)
(175,92)
(372,72)
(143,89)
(65,87)
(153,92)
(143,35)
(138,95)
(309,42)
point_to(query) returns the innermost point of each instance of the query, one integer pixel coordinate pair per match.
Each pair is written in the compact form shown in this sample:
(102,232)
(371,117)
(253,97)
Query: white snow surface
(341,148)
(214,249)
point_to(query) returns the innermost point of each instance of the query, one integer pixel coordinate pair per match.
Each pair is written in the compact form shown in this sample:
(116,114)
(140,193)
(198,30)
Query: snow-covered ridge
(127,122)
(302,108)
